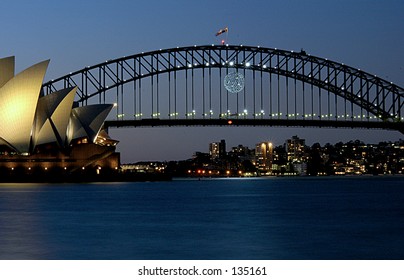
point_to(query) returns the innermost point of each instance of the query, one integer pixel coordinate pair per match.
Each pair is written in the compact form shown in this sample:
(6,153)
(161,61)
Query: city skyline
(363,34)
(221,147)
(293,158)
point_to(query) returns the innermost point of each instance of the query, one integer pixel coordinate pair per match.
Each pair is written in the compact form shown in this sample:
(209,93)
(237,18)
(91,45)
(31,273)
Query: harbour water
(270,219)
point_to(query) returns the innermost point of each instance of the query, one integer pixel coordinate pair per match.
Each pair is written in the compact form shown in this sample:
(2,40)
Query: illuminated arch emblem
(234,82)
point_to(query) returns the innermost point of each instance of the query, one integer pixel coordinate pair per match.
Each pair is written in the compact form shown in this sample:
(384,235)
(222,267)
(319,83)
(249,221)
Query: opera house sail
(39,133)
(18,102)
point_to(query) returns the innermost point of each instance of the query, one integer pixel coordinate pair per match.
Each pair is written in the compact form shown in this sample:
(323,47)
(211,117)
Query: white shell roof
(52,117)
(87,121)
(18,102)
(28,120)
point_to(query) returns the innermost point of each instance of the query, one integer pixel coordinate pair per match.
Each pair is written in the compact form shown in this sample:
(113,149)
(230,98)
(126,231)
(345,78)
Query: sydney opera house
(50,137)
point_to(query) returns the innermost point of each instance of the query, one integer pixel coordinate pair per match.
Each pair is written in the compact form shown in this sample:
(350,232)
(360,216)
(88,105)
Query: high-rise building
(263,157)
(295,149)
(217,149)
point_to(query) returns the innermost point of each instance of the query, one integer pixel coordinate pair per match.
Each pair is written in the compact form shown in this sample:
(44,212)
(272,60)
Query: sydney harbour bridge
(236,85)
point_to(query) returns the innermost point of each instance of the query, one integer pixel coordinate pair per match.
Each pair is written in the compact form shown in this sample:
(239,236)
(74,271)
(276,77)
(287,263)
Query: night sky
(73,34)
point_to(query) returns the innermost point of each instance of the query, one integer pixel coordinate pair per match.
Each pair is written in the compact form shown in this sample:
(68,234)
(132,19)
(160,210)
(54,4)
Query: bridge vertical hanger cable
(169,88)
(122,90)
(319,94)
(270,88)
(186,84)
(102,95)
(352,108)
(312,89)
(279,85)
(244,88)
(367,98)
(261,88)
(254,93)
(192,87)
(237,96)
(303,89)
(117,92)
(157,88)
(203,86)
(344,95)
(220,85)
(361,94)
(335,96)
(287,88)
(152,90)
(227,72)
(140,90)
(175,86)
(134,92)
(83,79)
(328,92)
(210,90)
(295,86)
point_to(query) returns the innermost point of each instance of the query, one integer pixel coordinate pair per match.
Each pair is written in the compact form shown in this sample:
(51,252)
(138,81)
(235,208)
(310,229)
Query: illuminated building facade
(295,149)
(217,149)
(39,133)
(264,157)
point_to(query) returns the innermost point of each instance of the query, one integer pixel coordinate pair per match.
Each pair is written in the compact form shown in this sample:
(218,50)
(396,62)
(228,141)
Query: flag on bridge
(221,31)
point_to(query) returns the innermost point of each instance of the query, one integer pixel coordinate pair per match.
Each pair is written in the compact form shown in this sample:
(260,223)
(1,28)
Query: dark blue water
(274,218)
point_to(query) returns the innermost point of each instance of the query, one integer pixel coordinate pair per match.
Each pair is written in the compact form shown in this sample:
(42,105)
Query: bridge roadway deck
(256,122)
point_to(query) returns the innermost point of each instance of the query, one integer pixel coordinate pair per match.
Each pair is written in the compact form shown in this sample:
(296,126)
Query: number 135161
(248,270)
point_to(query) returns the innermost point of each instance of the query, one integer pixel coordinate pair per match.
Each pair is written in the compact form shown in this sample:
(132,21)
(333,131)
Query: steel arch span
(185,86)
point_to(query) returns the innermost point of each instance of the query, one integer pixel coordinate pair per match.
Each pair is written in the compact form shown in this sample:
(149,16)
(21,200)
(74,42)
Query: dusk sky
(73,34)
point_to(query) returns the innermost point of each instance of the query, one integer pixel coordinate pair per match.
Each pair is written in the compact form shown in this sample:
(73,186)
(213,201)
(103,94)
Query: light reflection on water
(275,218)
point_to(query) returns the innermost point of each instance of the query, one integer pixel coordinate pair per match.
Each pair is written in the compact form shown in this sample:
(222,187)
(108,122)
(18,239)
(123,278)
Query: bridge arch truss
(184,85)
